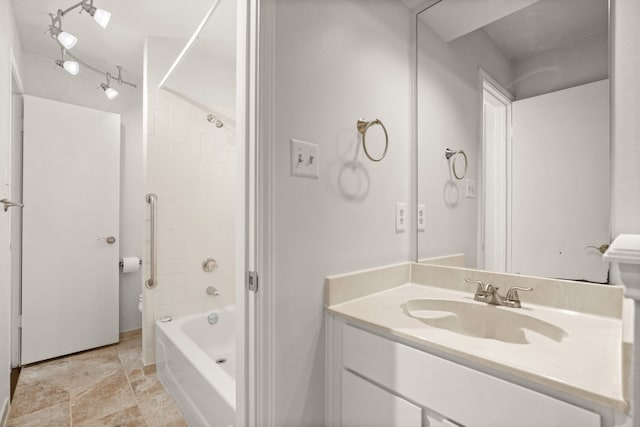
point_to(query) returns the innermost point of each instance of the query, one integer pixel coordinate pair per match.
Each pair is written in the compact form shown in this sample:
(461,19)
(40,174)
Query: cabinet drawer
(461,394)
(367,405)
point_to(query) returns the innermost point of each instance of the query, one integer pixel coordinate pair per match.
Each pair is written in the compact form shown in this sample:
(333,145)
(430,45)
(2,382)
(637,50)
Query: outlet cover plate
(470,188)
(401,217)
(421,218)
(305,161)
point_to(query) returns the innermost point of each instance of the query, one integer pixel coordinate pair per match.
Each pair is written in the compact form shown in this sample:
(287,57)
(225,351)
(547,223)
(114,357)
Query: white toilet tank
(625,252)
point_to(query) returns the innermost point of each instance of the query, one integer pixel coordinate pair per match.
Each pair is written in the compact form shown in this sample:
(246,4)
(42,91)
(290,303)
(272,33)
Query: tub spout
(211,290)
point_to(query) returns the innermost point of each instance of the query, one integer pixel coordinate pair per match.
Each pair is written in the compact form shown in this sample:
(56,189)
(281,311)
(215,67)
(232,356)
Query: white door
(496,169)
(71,197)
(561,184)
(16,223)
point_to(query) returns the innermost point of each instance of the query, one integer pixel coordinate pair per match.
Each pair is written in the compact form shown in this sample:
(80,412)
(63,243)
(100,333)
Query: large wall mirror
(514,135)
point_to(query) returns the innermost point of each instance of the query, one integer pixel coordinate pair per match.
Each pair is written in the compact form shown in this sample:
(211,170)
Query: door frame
(253,382)
(488,83)
(16,285)
(260,102)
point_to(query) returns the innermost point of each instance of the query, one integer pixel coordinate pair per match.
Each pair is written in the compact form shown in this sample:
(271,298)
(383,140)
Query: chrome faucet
(486,292)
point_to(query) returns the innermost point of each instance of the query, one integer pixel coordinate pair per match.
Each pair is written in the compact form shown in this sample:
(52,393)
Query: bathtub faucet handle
(211,290)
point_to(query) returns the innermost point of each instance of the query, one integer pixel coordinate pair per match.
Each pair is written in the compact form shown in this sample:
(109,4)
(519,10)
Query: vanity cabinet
(374,380)
(366,404)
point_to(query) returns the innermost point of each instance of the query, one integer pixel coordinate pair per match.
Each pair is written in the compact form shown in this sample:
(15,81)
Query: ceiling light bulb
(67,40)
(109,91)
(72,67)
(102,17)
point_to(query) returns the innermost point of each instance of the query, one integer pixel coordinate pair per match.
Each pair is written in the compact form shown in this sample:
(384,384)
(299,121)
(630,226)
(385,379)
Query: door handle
(9,204)
(109,239)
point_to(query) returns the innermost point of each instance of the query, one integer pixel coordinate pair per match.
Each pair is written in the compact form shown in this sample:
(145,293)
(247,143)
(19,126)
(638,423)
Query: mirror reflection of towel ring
(363,127)
(448,153)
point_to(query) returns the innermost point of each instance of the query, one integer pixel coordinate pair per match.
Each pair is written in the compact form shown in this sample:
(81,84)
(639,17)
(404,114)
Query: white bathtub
(189,351)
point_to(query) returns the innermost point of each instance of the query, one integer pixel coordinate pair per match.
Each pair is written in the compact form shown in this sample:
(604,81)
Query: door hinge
(19,321)
(252,281)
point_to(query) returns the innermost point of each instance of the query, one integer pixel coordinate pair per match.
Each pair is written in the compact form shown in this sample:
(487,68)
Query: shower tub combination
(195,362)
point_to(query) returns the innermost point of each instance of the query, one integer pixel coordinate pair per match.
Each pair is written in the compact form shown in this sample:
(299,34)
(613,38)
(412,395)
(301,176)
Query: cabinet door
(469,397)
(367,405)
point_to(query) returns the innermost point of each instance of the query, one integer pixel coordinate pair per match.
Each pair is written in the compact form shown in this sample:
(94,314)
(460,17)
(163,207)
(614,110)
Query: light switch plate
(470,186)
(305,160)
(401,217)
(421,218)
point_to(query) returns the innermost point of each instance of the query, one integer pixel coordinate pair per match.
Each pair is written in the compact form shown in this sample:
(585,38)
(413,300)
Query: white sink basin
(482,320)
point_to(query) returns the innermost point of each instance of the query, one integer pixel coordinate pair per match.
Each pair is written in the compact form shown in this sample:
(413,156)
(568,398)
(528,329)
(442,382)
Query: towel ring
(363,127)
(448,153)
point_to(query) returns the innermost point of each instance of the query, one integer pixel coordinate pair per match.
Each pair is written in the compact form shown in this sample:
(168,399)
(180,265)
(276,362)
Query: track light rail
(118,78)
(67,41)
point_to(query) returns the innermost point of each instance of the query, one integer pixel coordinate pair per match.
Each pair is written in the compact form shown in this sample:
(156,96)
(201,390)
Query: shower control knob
(209,264)
(109,239)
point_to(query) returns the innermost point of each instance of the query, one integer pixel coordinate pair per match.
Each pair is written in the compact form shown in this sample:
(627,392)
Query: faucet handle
(512,294)
(481,289)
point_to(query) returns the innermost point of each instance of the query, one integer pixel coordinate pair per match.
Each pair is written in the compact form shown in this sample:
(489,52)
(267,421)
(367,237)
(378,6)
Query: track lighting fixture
(101,16)
(72,67)
(67,41)
(108,90)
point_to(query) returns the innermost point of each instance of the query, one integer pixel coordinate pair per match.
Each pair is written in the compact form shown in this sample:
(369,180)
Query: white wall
(205,74)
(335,61)
(44,79)
(625,210)
(191,166)
(572,64)
(449,111)
(9,40)
(207,78)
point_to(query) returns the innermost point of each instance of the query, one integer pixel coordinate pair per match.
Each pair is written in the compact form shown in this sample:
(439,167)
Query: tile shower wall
(191,167)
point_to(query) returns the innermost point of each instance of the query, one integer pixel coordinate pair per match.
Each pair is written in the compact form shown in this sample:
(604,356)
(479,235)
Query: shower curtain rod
(189,44)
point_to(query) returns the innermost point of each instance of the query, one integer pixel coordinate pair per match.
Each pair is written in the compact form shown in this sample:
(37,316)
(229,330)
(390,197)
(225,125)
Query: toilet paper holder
(121,263)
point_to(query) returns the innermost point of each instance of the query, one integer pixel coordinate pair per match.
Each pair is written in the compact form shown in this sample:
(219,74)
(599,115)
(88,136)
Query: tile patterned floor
(107,386)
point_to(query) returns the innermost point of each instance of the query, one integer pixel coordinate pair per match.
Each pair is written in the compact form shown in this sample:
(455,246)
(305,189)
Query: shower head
(213,119)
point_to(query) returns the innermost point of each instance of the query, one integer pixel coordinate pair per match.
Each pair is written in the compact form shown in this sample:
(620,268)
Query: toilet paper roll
(130,264)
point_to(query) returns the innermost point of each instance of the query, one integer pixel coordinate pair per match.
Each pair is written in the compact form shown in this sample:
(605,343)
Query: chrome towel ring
(363,127)
(448,153)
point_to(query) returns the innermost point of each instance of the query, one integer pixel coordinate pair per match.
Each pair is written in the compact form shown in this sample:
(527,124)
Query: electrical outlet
(401,217)
(470,192)
(305,161)
(421,218)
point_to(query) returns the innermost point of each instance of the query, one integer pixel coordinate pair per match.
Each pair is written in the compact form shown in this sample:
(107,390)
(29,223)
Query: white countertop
(587,362)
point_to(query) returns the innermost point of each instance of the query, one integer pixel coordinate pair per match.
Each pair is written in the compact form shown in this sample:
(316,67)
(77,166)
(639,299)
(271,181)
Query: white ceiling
(121,43)
(417,5)
(540,27)
(451,19)
(548,24)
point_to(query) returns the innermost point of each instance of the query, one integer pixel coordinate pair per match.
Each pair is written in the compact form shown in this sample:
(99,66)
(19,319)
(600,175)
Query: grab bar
(9,204)
(152,199)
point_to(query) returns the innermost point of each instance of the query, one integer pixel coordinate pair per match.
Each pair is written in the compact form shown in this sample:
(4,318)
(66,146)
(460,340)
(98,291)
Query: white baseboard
(4,413)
